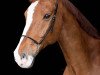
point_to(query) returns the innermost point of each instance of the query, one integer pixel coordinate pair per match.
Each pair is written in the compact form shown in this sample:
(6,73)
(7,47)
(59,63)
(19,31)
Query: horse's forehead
(32,6)
(29,13)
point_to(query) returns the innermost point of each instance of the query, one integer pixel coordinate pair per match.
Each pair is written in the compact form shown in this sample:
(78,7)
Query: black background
(49,61)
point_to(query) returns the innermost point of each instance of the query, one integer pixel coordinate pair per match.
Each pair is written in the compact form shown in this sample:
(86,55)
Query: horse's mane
(83,22)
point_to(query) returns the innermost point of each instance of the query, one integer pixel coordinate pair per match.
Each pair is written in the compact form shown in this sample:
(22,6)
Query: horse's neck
(72,46)
(74,43)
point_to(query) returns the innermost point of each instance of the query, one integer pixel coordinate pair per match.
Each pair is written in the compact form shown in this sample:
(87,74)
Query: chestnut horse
(48,21)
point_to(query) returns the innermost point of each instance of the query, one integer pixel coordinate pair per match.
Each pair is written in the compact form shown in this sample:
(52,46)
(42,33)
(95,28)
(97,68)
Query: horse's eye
(46,16)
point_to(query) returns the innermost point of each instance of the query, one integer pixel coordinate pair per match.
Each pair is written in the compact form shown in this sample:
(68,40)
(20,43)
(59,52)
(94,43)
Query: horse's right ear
(31,1)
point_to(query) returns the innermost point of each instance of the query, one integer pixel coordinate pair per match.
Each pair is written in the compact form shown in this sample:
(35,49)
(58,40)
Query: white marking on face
(25,62)
(29,18)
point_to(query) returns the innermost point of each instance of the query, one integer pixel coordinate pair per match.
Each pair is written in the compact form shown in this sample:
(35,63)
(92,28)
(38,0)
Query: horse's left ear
(31,1)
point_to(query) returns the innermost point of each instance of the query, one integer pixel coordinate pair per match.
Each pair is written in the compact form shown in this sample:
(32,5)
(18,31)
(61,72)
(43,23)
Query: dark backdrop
(49,61)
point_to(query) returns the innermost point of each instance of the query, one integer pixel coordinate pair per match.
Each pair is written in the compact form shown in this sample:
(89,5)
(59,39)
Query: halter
(50,26)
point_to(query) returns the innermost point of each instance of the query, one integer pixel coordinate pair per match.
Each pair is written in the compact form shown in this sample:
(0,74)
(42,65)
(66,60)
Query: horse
(50,21)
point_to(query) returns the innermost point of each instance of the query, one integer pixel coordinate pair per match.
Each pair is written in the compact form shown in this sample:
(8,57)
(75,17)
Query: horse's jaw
(25,62)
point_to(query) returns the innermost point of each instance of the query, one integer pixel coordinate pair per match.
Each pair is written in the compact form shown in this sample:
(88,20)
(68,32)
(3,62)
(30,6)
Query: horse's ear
(31,1)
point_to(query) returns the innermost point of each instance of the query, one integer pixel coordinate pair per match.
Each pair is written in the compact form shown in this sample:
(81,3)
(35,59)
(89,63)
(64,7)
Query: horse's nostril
(23,56)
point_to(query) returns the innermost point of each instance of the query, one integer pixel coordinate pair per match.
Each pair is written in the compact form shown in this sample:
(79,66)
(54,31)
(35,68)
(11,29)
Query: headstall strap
(31,39)
(50,27)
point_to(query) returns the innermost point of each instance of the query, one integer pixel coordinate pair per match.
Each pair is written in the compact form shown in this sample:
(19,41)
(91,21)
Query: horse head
(42,28)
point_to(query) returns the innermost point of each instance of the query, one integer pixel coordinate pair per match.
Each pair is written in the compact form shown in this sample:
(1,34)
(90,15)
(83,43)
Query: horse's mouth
(25,61)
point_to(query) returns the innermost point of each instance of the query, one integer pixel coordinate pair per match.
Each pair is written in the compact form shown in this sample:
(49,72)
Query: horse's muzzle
(24,61)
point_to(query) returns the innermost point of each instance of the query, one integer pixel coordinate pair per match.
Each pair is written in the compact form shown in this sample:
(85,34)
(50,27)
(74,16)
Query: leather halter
(50,26)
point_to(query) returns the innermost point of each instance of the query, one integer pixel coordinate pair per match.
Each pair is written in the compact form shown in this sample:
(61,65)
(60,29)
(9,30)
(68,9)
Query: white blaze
(25,63)
(30,13)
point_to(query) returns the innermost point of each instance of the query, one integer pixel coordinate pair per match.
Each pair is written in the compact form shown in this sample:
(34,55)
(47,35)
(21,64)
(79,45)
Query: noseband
(50,26)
